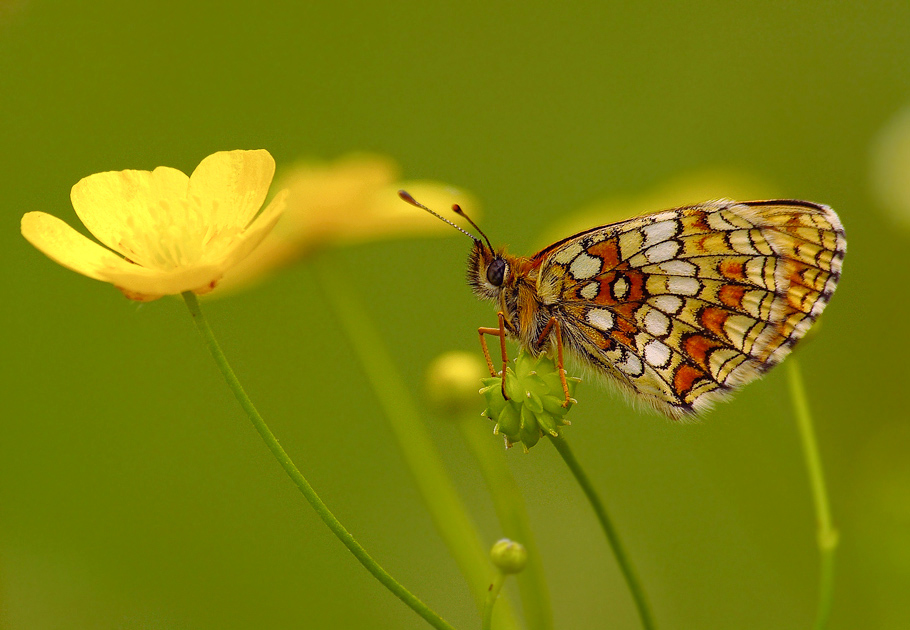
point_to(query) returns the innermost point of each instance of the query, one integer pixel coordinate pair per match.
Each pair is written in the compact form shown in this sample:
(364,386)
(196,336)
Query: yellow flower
(891,167)
(452,381)
(169,233)
(351,200)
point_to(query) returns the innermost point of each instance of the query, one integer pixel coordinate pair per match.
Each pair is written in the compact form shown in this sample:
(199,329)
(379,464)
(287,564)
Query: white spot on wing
(669,304)
(601,319)
(631,365)
(664,216)
(683,286)
(656,353)
(620,288)
(585,266)
(659,232)
(590,290)
(656,323)
(662,251)
(678,268)
(565,256)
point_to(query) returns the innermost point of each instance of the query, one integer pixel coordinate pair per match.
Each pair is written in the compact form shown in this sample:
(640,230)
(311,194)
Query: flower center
(176,233)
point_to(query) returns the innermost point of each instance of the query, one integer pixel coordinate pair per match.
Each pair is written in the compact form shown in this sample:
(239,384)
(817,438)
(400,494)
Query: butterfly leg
(553,325)
(501,333)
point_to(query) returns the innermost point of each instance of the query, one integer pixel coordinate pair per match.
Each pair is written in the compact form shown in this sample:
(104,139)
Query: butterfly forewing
(682,306)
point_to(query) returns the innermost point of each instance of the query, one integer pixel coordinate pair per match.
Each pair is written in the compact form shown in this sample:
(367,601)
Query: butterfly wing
(682,306)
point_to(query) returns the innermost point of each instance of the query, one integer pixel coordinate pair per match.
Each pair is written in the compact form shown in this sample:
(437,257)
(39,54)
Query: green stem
(299,480)
(449,513)
(625,565)
(490,601)
(827,534)
(513,518)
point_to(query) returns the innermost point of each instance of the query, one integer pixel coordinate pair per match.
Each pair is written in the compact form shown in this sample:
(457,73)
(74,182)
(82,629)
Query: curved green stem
(827,534)
(625,565)
(490,601)
(513,518)
(299,480)
(448,512)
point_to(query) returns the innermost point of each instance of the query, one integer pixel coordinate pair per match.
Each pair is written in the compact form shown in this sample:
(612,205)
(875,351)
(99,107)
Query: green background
(135,494)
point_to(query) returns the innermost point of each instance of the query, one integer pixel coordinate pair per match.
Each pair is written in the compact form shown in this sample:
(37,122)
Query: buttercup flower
(351,200)
(166,233)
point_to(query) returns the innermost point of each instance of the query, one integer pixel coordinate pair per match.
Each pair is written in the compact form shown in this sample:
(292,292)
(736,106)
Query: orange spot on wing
(698,221)
(713,319)
(732,295)
(797,270)
(625,331)
(698,347)
(605,294)
(685,378)
(636,286)
(623,338)
(732,269)
(608,251)
(626,312)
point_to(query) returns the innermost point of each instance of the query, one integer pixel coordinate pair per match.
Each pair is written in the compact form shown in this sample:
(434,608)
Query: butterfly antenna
(457,209)
(406,196)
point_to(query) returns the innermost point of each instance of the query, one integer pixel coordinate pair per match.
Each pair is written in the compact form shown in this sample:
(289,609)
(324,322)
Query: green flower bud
(535,405)
(509,556)
(451,382)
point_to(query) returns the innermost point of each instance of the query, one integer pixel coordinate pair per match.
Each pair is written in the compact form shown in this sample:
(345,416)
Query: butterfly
(678,308)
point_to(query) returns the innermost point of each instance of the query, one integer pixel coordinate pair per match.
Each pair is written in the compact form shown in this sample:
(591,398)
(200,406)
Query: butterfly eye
(496,272)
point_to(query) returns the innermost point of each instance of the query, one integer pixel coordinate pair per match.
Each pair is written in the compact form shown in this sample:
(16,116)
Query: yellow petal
(258,229)
(141,281)
(322,195)
(336,184)
(116,204)
(352,199)
(64,245)
(202,278)
(231,186)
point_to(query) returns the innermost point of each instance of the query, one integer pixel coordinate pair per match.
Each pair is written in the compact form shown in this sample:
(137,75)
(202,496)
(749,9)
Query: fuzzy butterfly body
(679,307)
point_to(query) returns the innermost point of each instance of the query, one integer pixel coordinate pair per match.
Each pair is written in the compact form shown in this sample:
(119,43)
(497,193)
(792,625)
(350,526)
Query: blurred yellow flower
(173,233)
(891,167)
(351,200)
(453,380)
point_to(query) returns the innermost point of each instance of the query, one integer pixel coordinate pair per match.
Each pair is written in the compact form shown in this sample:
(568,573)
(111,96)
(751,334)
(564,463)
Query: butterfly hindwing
(681,306)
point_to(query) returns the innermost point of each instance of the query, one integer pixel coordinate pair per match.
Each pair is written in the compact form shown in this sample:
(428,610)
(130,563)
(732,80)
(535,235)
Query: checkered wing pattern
(680,307)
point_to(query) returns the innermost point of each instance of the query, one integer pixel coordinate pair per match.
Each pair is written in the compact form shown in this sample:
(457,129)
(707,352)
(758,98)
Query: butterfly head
(488,269)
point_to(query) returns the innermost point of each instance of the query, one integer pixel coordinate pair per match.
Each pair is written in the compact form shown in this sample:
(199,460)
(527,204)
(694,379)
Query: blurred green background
(135,494)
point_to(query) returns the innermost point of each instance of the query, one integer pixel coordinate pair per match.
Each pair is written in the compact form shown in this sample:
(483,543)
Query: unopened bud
(452,381)
(509,556)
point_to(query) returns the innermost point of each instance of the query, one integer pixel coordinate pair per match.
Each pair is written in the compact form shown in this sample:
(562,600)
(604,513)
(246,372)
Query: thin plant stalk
(299,480)
(513,518)
(827,537)
(625,565)
(446,508)
(490,601)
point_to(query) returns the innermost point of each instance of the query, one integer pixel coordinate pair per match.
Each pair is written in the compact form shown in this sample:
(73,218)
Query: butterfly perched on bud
(679,307)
